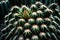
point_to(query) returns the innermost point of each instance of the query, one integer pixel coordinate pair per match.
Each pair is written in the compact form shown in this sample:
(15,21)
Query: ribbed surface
(36,22)
(35,29)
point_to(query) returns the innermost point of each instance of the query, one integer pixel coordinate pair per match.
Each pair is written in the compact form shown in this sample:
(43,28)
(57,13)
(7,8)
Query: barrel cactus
(31,23)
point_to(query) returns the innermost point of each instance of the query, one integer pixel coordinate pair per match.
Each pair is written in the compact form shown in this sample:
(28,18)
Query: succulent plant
(36,22)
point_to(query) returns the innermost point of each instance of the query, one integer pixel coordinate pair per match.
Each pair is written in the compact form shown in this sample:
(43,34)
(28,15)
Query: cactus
(35,22)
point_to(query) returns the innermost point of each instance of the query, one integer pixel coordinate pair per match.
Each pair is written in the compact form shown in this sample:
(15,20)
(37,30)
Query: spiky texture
(33,23)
